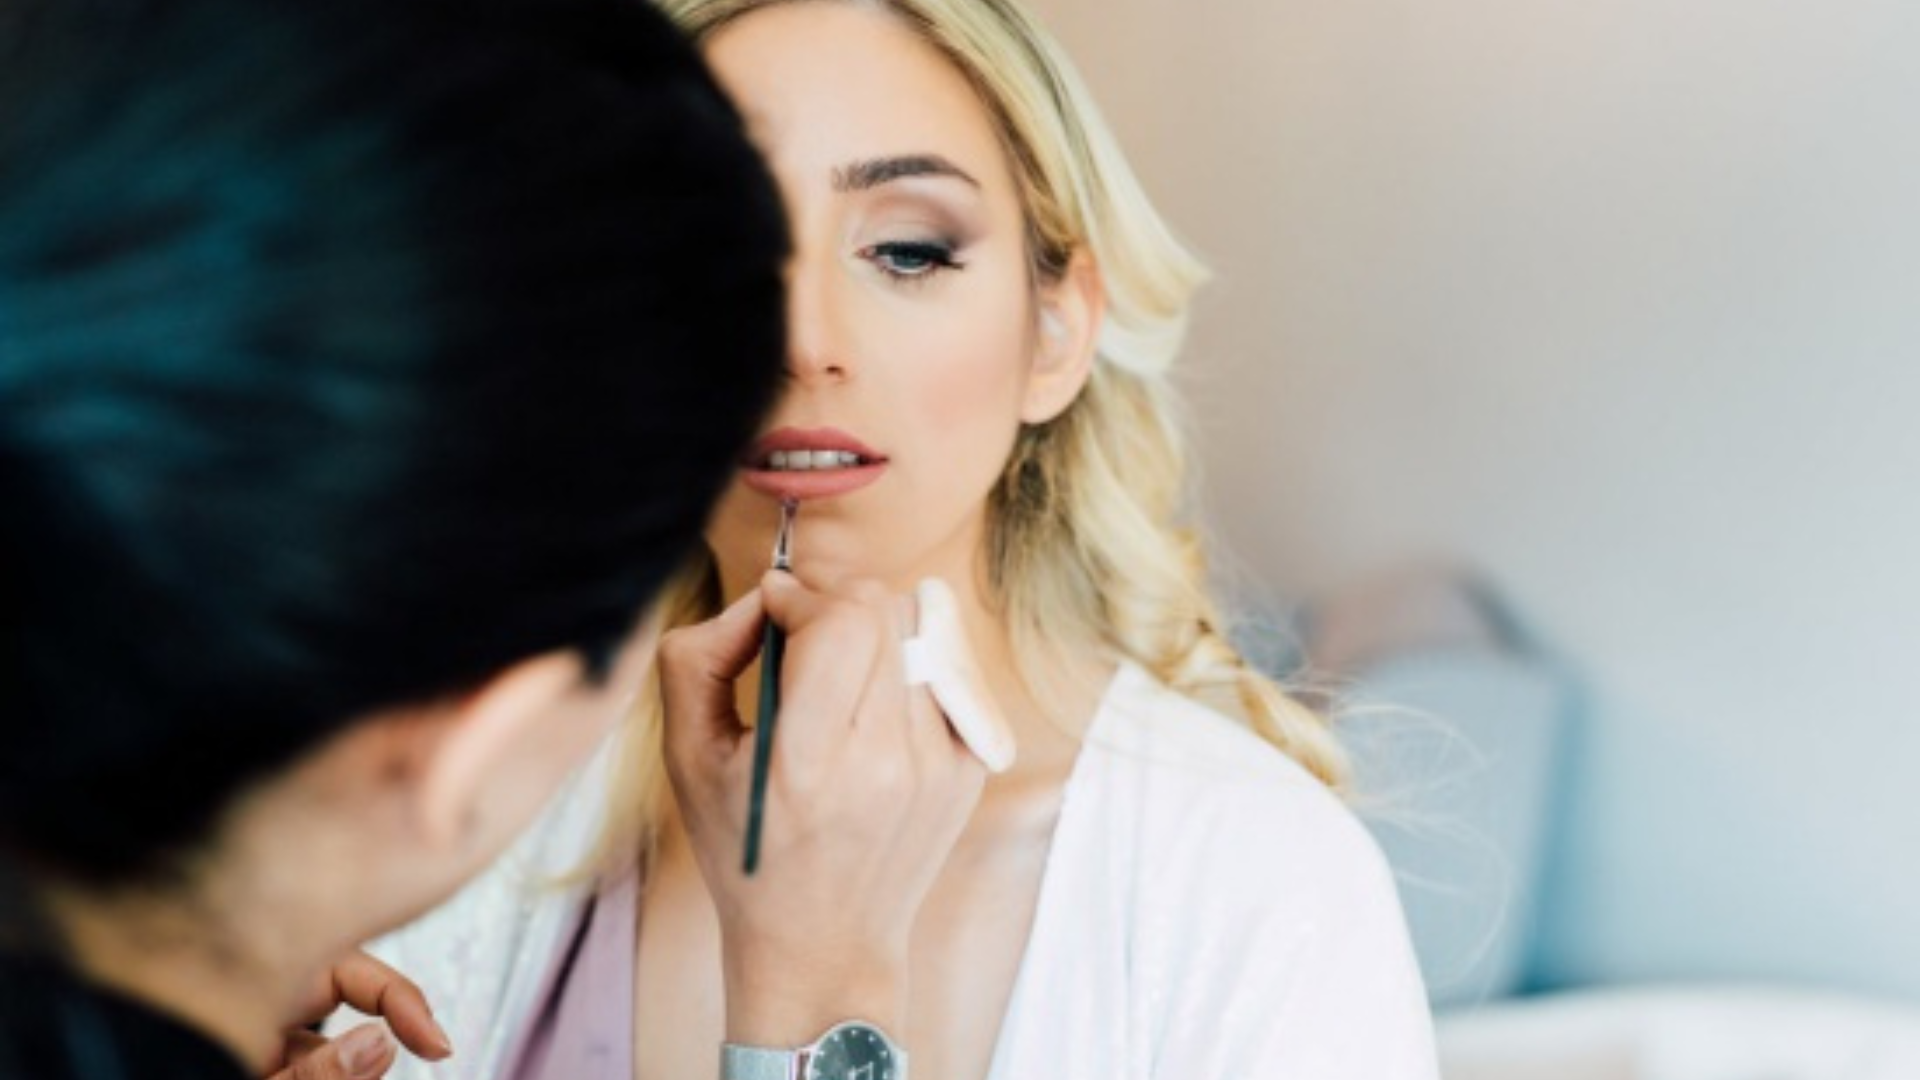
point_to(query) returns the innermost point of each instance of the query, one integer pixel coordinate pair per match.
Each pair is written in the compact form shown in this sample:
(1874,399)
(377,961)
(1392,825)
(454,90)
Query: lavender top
(584,1027)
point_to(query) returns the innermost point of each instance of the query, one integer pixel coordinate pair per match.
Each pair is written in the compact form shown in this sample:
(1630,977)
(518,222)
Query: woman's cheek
(969,383)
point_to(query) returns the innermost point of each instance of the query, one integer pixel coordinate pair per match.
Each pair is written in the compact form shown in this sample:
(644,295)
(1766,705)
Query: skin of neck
(361,833)
(240,944)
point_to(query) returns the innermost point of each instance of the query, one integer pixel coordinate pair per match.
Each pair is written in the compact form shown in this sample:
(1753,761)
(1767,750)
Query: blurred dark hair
(349,352)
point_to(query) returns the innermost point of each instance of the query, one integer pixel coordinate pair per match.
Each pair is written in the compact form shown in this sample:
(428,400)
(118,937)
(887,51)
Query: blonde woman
(983,309)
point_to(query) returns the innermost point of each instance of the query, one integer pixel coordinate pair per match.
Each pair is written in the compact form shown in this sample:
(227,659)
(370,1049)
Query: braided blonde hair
(1087,547)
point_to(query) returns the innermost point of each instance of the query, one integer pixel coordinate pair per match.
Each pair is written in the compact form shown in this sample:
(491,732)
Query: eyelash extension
(935,256)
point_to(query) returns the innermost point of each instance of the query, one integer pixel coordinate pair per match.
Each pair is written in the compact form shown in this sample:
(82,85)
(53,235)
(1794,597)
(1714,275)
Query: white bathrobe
(1209,911)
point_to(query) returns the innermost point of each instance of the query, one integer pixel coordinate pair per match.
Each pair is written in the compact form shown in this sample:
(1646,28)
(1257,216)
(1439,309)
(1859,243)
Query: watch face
(853,1052)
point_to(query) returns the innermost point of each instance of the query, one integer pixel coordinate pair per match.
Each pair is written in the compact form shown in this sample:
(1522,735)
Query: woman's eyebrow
(865,175)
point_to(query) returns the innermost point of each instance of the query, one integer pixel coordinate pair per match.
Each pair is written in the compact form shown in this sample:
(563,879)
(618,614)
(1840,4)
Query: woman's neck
(239,973)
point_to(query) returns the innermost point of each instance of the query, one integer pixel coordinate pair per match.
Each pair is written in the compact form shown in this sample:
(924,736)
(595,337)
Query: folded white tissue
(940,656)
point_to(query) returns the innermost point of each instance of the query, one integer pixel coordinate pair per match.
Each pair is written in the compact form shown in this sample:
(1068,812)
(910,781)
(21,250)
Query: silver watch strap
(758,1063)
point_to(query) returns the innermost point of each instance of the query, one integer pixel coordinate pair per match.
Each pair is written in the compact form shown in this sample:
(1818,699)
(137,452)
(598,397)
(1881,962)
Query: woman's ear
(1071,311)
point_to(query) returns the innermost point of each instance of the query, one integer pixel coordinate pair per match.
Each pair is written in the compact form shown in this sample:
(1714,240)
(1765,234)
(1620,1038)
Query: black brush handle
(773,646)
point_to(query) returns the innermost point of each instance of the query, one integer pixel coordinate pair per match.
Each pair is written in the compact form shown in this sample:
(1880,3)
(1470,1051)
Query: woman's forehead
(826,85)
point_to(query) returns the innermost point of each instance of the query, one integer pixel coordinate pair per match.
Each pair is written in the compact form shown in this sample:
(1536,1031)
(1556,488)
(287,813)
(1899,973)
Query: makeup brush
(773,646)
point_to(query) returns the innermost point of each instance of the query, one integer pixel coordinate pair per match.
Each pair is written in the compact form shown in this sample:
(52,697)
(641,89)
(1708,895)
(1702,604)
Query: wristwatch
(851,1050)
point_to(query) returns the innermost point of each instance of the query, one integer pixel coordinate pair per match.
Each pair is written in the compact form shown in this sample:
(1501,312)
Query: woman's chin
(821,572)
(832,574)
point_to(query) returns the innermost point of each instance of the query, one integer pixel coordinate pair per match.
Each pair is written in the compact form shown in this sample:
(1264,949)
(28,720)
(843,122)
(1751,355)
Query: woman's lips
(844,464)
(822,484)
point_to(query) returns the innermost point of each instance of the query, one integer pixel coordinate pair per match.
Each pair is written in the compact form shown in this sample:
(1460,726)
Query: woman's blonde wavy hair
(1088,549)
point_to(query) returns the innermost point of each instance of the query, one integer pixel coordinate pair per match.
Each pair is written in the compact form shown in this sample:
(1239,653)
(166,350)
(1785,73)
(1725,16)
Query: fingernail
(446,1044)
(364,1051)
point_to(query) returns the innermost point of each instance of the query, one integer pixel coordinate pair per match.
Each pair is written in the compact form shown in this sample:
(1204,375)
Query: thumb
(793,605)
(698,666)
(365,1053)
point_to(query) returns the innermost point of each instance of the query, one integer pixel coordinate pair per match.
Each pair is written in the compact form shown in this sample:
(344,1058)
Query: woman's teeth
(802,460)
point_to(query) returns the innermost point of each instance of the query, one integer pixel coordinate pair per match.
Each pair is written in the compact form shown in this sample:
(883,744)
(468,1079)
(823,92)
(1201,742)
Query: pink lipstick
(817,463)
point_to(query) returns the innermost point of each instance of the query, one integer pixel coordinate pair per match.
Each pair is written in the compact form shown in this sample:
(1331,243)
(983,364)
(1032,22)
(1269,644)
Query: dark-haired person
(365,367)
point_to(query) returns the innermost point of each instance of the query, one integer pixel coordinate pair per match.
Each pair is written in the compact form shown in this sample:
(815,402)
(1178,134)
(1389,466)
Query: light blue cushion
(1455,756)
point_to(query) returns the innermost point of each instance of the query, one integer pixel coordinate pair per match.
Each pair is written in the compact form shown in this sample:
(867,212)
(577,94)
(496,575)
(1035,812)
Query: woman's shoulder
(1147,726)
(1217,800)
(1231,903)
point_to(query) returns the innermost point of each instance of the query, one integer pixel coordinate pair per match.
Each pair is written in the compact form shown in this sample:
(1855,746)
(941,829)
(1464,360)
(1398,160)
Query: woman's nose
(816,339)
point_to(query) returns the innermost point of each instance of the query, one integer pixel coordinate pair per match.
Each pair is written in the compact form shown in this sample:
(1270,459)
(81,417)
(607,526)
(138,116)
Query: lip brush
(773,646)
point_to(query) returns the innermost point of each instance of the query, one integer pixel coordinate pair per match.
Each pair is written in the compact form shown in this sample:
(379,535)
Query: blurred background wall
(1619,301)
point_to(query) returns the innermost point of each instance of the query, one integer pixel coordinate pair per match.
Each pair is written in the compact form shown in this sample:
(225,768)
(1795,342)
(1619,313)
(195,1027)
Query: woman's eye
(910,259)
